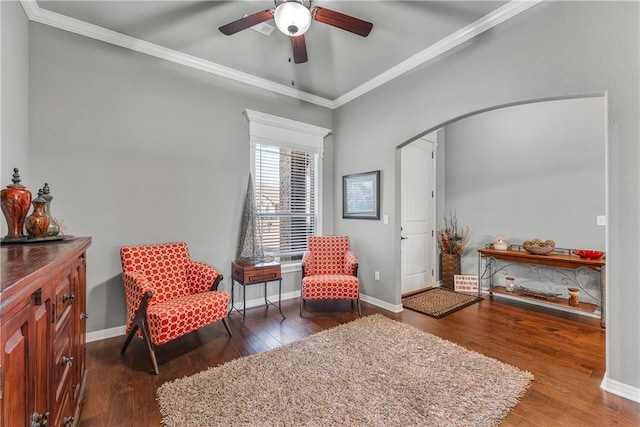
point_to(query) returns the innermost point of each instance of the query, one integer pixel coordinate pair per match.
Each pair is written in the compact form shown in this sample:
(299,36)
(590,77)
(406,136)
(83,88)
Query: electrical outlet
(385,219)
(601,220)
(376,275)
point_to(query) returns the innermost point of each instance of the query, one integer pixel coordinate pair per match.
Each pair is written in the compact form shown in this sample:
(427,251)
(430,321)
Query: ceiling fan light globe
(292,18)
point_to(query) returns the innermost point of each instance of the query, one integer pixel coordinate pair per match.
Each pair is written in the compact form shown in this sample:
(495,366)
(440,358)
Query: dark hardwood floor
(565,353)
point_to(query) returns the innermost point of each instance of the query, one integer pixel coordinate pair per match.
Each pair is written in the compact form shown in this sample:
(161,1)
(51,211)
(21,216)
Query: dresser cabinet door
(78,343)
(15,364)
(26,377)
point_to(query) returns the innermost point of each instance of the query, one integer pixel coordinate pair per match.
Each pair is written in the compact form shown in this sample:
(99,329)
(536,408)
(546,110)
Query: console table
(246,274)
(488,267)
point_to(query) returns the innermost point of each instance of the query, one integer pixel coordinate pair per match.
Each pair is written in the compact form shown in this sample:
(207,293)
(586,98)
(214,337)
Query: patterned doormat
(438,302)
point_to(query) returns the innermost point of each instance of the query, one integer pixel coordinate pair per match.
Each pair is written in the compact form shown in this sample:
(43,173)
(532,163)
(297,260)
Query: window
(286,165)
(286,200)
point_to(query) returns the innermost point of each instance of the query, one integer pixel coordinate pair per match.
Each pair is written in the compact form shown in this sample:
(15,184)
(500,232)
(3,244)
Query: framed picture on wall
(361,195)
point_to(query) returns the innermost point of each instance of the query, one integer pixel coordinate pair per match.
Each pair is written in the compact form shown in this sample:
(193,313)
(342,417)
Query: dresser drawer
(62,360)
(255,273)
(64,296)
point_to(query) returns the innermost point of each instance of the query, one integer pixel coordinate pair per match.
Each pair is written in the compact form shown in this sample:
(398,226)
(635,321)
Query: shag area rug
(438,302)
(373,371)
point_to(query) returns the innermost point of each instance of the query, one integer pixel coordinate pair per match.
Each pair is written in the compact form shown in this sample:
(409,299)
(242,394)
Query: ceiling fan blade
(299,47)
(342,21)
(246,22)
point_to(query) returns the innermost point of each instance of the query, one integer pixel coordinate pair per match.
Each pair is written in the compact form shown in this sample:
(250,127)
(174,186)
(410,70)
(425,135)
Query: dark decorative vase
(37,223)
(54,229)
(15,200)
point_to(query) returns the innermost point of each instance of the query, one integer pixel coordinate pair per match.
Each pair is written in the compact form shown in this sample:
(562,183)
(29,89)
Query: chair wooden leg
(226,325)
(127,341)
(152,353)
(301,302)
(358,304)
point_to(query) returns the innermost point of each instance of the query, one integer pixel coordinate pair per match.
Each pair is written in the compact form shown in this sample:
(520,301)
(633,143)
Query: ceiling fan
(293,18)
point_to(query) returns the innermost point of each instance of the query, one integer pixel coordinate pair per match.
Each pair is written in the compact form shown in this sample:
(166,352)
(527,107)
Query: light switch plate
(601,220)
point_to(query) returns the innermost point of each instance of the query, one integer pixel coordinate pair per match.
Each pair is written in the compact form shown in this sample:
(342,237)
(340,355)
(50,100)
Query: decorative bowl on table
(539,246)
(589,254)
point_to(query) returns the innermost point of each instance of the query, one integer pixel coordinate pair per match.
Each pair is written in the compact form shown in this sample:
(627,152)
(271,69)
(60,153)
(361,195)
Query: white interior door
(417,195)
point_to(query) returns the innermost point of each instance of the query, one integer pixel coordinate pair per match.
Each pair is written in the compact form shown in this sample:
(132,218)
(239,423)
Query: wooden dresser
(43,332)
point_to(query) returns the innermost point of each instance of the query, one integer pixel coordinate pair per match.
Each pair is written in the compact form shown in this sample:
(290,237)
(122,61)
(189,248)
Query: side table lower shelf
(557,302)
(246,274)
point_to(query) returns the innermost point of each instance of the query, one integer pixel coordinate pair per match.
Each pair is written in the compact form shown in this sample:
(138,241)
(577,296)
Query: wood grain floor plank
(565,352)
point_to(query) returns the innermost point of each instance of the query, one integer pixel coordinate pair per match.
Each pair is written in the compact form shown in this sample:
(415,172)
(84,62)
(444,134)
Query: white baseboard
(382,304)
(620,389)
(106,333)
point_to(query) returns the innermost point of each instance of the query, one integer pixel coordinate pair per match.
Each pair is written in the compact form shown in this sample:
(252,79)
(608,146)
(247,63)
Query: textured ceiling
(338,62)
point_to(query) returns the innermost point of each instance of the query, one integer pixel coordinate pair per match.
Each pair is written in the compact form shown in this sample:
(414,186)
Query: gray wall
(529,171)
(14,86)
(555,49)
(138,150)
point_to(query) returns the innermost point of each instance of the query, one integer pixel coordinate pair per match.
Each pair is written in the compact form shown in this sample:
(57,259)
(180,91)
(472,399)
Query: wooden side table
(246,274)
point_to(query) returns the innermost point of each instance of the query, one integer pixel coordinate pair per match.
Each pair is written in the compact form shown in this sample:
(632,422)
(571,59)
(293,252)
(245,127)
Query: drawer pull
(67,420)
(66,298)
(39,420)
(66,360)
(84,316)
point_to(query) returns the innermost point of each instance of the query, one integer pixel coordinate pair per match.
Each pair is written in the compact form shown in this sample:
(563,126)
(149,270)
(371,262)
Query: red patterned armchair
(168,295)
(329,270)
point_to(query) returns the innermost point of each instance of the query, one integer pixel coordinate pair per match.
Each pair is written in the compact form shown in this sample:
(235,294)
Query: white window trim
(277,131)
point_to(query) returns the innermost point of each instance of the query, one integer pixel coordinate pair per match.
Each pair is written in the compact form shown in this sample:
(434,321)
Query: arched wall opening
(535,169)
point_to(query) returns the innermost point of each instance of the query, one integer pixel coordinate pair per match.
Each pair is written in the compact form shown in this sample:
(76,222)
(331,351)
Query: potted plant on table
(453,241)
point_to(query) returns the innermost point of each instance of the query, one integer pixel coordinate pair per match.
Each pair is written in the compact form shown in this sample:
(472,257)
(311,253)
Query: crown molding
(62,22)
(477,27)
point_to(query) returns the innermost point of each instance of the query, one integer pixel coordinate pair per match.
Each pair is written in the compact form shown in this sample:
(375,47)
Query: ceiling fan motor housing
(292,17)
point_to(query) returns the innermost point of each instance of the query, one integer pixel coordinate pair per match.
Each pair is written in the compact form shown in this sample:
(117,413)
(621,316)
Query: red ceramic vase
(15,201)
(37,223)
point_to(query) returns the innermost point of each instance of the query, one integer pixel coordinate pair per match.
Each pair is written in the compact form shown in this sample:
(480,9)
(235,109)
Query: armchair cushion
(330,286)
(176,317)
(327,255)
(163,265)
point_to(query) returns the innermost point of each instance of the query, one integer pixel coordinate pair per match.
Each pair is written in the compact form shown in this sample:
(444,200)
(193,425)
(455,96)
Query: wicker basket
(539,249)
(450,267)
